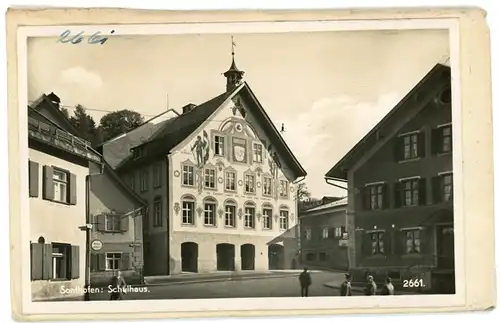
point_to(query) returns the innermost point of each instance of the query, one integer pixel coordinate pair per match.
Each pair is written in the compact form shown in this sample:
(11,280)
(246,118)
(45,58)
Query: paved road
(263,287)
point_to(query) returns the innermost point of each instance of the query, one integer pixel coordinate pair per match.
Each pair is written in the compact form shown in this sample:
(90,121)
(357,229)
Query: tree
(84,123)
(118,122)
(303,193)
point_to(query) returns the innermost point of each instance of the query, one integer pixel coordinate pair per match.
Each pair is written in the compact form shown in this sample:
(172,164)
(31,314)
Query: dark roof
(175,130)
(438,73)
(52,102)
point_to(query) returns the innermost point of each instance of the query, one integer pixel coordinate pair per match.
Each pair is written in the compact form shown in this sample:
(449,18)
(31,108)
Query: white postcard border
(249,304)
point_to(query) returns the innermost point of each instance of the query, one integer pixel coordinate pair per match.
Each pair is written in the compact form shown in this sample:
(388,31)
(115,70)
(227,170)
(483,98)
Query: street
(262,287)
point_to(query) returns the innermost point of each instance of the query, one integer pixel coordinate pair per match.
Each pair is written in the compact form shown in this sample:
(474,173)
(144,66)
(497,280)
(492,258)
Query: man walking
(371,287)
(305,282)
(345,288)
(388,288)
(117,287)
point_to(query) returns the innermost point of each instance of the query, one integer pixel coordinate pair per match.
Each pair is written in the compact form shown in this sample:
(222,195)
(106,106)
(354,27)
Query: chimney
(187,108)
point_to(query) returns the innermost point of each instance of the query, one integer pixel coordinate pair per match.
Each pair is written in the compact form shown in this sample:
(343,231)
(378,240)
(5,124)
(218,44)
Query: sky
(328,89)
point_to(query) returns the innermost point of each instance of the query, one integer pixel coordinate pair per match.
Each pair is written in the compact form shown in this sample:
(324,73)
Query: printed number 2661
(413,283)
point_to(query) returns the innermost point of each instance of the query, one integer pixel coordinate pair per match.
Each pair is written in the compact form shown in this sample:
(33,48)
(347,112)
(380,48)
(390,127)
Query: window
(112,222)
(411,192)
(376,197)
(446,139)
(283,188)
(307,234)
(230,215)
(188,175)
(324,233)
(60,180)
(338,232)
(412,241)
(249,217)
(267,216)
(131,181)
(249,183)
(442,188)
(209,218)
(144,180)
(219,146)
(210,178)
(157,175)
(257,153)
(61,264)
(268,184)
(310,256)
(409,146)
(377,240)
(188,211)
(283,219)
(322,256)
(113,260)
(442,140)
(230,181)
(157,214)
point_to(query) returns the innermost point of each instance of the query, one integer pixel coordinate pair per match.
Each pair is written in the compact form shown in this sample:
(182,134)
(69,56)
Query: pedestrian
(371,287)
(345,288)
(388,288)
(117,287)
(305,282)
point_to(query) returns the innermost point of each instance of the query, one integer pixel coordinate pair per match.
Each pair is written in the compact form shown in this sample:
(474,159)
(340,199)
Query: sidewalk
(191,278)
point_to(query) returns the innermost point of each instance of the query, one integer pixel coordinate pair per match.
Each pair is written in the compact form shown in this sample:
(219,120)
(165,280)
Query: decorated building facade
(220,183)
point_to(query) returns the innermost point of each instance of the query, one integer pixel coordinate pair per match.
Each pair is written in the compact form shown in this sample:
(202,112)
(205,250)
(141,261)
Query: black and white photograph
(241,163)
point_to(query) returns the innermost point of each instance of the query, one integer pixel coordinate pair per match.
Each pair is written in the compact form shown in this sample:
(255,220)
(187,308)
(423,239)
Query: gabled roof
(33,109)
(175,130)
(331,205)
(437,73)
(48,100)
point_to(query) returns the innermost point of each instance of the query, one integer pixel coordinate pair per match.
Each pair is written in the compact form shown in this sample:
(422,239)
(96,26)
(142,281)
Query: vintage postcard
(184,164)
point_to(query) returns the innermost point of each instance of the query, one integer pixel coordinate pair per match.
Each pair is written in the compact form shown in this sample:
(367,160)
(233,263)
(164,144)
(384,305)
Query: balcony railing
(53,136)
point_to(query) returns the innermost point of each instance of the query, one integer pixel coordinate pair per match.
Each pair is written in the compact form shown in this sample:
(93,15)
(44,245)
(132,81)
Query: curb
(213,280)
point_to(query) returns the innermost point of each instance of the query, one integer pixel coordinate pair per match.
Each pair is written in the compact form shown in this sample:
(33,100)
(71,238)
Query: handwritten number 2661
(96,38)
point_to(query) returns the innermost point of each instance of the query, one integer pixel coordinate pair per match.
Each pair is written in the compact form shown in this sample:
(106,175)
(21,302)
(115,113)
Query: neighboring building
(58,166)
(117,228)
(324,236)
(219,182)
(400,189)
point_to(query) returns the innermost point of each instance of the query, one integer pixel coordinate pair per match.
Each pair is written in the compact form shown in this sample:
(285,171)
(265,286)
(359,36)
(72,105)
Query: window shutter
(47,261)
(33,175)
(101,261)
(436,140)
(387,239)
(365,195)
(422,191)
(397,195)
(94,266)
(398,148)
(331,233)
(451,136)
(125,261)
(37,259)
(366,244)
(385,196)
(72,189)
(423,241)
(124,223)
(75,262)
(421,144)
(400,242)
(437,189)
(100,222)
(48,183)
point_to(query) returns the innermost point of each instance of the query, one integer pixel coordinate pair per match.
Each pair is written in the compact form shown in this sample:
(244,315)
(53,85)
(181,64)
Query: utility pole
(87,228)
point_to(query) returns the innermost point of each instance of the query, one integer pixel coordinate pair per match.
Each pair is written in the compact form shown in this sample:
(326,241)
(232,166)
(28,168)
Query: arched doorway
(276,256)
(225,256)
(189,257)
(247,257)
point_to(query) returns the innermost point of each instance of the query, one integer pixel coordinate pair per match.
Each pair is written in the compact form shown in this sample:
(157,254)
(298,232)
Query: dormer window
(138,152)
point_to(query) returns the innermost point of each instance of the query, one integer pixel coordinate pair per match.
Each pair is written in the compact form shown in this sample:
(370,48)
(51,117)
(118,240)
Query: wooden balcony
(55,137)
